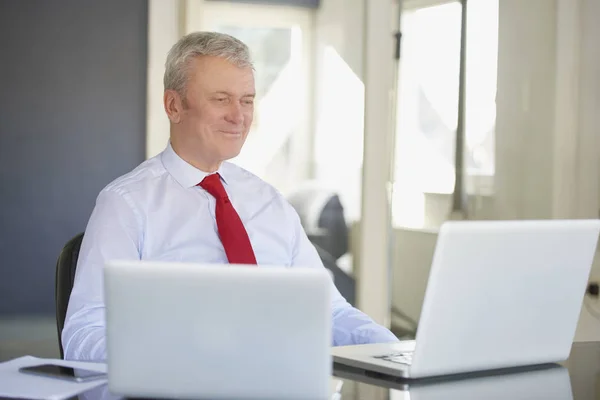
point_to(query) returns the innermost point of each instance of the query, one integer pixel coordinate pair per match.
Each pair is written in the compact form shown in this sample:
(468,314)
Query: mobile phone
(60,372)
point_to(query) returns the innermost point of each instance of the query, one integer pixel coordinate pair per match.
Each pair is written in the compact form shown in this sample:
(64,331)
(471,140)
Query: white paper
(26,386)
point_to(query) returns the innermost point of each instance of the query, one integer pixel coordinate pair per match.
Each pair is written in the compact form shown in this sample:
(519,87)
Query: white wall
(586,194)
(163,32)
(525,109)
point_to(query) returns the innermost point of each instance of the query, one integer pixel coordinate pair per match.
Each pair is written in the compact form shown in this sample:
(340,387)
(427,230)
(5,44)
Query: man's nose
(234,114)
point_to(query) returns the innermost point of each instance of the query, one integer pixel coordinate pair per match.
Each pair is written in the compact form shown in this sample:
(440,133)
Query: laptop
(179,330)
(500,294)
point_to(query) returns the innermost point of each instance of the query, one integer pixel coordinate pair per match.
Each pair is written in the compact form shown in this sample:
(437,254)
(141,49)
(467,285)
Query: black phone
(68,373)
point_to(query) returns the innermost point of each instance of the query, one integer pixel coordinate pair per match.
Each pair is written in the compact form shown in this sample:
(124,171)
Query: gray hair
(202,44)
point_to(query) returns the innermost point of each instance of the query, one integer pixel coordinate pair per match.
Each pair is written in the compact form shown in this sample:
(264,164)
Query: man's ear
(173,105)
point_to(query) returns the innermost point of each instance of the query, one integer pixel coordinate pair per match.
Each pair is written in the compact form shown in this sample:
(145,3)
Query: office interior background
(347,123)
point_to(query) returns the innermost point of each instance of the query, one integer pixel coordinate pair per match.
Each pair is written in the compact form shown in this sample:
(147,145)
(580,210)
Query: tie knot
(212,184)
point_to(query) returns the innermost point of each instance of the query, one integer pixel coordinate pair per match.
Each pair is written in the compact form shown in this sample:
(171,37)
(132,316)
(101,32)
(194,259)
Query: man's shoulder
(254,187)
(242,176)
(137,178)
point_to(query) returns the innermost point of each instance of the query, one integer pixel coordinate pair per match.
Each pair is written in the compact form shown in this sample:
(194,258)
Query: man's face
(218,108)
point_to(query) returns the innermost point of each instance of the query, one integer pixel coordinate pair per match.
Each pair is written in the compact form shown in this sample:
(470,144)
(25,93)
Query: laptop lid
(218,331)
(503,294)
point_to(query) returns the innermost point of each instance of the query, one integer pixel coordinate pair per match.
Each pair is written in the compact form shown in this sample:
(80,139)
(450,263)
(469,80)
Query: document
(17,384)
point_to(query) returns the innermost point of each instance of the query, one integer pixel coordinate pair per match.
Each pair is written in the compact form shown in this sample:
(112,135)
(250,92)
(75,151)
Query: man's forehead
(228,87)
(215,65)
(221,75)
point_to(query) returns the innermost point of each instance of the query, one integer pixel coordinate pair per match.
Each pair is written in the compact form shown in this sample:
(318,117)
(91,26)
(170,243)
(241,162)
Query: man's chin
(229,154)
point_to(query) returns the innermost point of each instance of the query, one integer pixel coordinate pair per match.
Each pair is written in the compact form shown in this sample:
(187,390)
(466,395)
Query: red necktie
(231,229)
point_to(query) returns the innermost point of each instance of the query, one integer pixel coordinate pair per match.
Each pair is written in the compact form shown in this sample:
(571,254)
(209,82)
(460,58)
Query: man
(188,205)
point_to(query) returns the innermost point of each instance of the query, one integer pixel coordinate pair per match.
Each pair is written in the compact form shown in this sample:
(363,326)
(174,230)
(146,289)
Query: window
(339,132)
(428,91)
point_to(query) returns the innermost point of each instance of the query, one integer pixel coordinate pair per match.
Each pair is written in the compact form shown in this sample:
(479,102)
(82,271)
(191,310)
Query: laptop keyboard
(399,358)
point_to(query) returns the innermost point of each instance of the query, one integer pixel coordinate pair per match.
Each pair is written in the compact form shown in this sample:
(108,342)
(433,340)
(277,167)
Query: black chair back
(65,276)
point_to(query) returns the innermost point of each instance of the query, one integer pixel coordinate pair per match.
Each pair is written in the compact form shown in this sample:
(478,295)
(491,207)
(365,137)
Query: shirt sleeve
(113,232)
(350,325)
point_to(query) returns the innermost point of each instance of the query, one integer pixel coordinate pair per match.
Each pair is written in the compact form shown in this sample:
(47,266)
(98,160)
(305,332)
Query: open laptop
(500,294)
(217,331)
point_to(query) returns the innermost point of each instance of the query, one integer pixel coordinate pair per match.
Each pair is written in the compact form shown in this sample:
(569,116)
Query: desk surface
(578,378)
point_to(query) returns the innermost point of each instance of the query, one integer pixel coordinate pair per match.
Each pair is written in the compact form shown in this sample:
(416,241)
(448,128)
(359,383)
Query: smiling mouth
(227,133)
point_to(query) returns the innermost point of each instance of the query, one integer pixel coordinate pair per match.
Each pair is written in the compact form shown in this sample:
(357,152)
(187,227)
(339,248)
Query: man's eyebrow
(230,94)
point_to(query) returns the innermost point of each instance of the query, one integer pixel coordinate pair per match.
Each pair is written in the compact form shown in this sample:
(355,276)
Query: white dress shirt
(156,212)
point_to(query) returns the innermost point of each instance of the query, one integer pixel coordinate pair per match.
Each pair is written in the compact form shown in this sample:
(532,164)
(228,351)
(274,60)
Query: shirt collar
(184,173)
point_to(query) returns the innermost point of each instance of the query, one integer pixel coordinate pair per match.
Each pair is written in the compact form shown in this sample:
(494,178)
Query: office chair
(322,216)
(343,282)
(65,276)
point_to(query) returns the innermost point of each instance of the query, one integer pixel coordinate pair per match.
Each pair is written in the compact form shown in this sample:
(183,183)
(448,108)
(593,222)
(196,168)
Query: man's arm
(113,232)
(350,326)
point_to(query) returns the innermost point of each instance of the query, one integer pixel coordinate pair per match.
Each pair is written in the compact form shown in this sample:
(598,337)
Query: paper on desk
(16,384)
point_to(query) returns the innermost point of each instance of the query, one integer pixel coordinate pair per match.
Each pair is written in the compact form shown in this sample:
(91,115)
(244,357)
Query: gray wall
(72,118)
